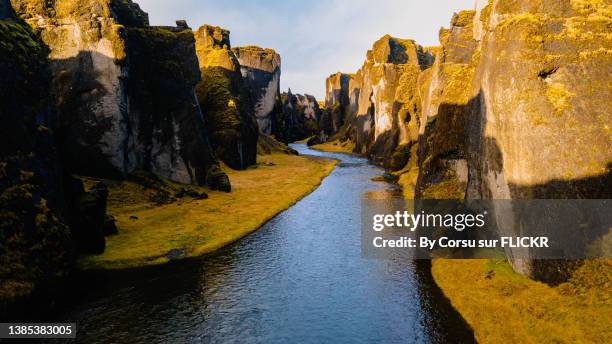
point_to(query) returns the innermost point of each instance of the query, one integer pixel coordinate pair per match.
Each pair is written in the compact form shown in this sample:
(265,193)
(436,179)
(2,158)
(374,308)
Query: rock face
(225,101)
(106,126)
(377,105)
(87,87)
(515,106)
(162,100)
(336,102)
(261,71)
(35,244)
(301,116)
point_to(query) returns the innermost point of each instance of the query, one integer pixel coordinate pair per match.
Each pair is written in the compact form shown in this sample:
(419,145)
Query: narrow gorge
(135,154)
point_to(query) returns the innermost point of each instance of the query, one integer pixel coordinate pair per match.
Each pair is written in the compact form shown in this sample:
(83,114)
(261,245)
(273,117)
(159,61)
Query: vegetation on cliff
(35,244)
(505,112)
(223,97)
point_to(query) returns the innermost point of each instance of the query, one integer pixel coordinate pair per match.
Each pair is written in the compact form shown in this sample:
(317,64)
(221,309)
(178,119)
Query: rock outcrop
(378,106)
(35,244)
(336,103)
(301,116)
(514,104)
(124,101)
(172,136)
(225,101)
(87,87)
(261,72)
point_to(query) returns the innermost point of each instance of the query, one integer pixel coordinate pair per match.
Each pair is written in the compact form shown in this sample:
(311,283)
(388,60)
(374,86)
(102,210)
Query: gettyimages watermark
(534,229)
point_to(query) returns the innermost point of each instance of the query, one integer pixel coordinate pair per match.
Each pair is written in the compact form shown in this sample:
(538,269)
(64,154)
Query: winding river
(299,279)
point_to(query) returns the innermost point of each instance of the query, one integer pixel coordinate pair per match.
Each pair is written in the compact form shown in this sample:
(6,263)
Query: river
(301,278)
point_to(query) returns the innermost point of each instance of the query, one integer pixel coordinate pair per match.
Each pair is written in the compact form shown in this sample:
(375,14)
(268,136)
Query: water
(300,278)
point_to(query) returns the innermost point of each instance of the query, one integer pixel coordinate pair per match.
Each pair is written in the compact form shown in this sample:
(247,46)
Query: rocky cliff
(35,244)
(514,106)
(301,116)
(225,99)
(377,107)
(336,102)
(87,87)
(261,71)
(111,121)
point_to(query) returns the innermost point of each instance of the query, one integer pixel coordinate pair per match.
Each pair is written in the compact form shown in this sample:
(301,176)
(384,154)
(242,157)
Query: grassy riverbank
(152,234)
(335,147)
(504,307)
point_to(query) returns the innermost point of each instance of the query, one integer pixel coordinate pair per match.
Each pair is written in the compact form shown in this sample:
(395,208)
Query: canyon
(89,88)
(513,104)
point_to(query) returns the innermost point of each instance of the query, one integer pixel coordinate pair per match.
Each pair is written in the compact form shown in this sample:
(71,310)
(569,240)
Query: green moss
(558,96)
(463,18)
(400,157)
(450,188)
(502,306)
(35,244)
(485,14)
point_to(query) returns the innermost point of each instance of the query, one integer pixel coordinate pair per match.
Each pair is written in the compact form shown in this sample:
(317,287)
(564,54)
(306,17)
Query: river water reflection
(299,279)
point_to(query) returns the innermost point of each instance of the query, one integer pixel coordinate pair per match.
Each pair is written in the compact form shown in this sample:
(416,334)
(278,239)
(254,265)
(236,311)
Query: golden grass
(189,228)
(505,307)
(335,146)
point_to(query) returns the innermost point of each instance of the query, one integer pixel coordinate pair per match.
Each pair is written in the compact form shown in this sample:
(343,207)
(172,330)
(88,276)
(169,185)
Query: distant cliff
(261,72)
(374,106)
(301,116)
(513,104)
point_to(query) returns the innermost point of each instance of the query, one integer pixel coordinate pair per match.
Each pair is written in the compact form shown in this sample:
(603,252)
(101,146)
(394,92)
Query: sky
(314,38)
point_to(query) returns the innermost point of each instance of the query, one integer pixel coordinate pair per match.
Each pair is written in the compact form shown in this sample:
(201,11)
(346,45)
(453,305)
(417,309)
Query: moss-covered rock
(301,116)
(35,244)
(163,106)
(86,215)
(225,100)
(379,106)
(216,176)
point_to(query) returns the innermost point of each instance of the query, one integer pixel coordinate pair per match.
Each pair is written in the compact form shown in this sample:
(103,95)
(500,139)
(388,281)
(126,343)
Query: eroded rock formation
(35,244)
(377,105)
(115,116)
(225,101)
(261,72)
(301,116)
(515,106)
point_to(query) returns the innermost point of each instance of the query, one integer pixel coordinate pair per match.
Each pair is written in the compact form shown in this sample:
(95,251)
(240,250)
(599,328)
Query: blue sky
(314,38)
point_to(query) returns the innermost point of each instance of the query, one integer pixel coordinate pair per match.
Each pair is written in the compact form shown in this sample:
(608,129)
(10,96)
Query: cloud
(315,38)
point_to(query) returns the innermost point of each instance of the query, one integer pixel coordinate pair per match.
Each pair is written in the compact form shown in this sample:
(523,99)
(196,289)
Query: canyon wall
(261,72)
(225,100)
(377,107)
(35,244)
(115,113)
(301,116)
(514,104)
